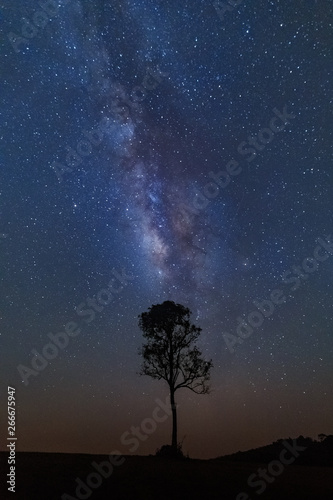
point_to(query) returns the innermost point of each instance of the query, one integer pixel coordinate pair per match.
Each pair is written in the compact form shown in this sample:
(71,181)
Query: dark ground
(44,476)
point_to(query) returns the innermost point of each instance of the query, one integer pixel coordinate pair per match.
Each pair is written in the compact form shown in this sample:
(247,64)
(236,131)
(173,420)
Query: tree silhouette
(170,353)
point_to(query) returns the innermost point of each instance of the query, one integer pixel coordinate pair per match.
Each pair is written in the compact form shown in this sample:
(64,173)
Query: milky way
(168,230)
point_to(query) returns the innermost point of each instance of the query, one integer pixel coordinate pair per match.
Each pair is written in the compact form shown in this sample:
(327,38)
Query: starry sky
(167,150)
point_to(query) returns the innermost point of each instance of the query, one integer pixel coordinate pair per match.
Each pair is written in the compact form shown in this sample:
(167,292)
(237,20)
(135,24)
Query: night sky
(160,150)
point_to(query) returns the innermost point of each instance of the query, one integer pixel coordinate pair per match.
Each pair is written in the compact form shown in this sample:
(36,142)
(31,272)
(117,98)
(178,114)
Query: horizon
(277,442)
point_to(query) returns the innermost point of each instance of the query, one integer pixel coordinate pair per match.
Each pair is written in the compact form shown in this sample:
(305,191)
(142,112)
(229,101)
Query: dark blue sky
(118,122)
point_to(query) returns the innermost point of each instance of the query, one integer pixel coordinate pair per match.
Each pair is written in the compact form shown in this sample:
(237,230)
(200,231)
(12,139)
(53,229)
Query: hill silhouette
(318,453)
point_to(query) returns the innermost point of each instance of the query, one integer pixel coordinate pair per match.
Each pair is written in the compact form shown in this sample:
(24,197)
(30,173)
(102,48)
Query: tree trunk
(174,420)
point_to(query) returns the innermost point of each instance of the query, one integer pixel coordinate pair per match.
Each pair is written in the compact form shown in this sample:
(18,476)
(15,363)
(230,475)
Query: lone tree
(170,353)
